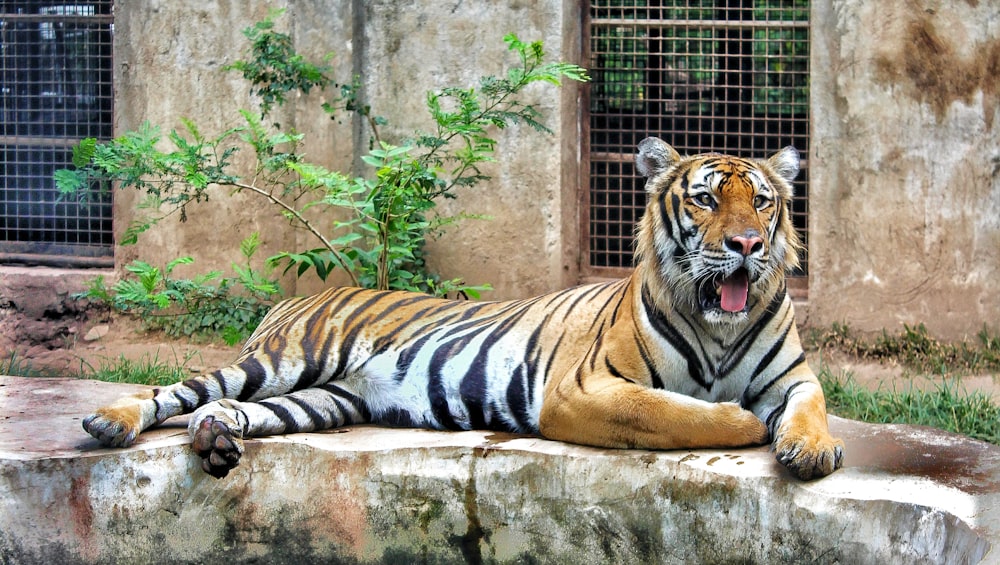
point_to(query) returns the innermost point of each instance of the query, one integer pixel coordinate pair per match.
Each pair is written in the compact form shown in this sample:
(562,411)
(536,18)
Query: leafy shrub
(205,306)
(389,214)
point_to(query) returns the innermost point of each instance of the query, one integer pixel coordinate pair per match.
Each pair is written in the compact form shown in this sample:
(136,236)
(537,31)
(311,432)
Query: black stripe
(281,413)
(223,386)
(614,370)
(775,416)
(355,327)
(550,362)
(255,377)
(668,224)
(386,340)
(274,345)
(159,409)
(197,386)
(733,358)
(654,374)
(342,415)
(472,388)
(617,308)
(685,234)
(751,400)
(571,295)
(582,297)
(317,419)
(438,397)
(316,355)
(596,350)
(521,386)
(668,332)
(358,403)
(407,356)
(516,397)
(592,355)
(399,418)
(765,361)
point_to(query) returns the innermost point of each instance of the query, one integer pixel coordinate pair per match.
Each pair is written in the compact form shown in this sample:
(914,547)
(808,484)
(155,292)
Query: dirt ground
(84,349)
(90,347)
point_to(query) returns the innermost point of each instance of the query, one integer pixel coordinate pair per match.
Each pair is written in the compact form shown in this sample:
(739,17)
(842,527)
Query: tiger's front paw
(120,423)
(809,455)
(112,428)
(744,428)
(218,440)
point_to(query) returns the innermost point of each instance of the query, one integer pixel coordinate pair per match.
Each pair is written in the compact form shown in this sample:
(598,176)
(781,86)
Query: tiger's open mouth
(726,293)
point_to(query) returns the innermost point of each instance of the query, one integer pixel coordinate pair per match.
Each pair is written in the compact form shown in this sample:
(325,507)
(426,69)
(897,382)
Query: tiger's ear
(785,163)
(654,157)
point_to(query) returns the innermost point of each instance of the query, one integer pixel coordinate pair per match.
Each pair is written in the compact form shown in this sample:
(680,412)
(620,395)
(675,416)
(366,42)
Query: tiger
(696,348)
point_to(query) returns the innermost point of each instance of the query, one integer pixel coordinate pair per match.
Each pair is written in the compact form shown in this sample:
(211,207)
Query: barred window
(703,75)
(55,64)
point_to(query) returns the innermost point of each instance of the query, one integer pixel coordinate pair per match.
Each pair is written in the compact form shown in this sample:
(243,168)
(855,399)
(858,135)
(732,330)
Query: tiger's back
(411,360)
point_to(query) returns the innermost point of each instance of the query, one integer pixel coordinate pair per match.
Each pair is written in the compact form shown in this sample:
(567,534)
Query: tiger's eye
(705,200)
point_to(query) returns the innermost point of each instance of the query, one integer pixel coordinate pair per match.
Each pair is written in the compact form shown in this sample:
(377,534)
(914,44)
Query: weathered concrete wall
(904,185)
(169,56)
(904,195)
(530,245)
(375,495)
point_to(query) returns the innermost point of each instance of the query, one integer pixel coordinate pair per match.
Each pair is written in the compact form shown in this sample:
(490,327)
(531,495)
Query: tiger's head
(716,237)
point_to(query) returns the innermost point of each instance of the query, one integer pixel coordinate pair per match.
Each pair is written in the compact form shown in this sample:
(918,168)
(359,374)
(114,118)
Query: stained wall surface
(904,185)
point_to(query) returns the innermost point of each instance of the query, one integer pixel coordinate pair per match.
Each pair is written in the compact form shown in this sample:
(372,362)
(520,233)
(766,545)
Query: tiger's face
(717,231)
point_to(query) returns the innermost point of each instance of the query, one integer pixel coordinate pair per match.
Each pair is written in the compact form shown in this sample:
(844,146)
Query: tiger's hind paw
(809,456)
(219,443)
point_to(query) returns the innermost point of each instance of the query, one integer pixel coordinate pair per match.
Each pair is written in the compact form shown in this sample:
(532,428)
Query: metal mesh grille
(55,64)
(729,76)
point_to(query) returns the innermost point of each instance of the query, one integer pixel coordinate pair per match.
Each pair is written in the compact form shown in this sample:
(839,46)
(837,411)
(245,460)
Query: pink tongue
(734,292)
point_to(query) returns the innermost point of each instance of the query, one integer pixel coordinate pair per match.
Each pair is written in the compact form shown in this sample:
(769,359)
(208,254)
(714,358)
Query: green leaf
(249,245)
(178,261)
(69,182)
(346,239)
(84,151)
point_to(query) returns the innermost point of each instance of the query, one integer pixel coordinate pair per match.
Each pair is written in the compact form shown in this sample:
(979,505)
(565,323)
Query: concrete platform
(374,495)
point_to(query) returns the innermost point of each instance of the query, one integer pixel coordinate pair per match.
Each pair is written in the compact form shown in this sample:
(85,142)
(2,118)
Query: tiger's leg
(120,423)
(609,411)
(794,409)
(218,429)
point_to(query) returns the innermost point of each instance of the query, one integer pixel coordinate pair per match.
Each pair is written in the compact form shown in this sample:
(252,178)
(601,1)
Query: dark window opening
(703,75)
(56,89)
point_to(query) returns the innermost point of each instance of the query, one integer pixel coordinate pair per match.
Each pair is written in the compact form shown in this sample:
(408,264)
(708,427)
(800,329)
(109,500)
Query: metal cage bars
(705,75)
(55,64)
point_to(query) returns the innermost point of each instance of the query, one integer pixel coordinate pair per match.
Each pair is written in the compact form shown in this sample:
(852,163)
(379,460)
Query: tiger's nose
(745,245)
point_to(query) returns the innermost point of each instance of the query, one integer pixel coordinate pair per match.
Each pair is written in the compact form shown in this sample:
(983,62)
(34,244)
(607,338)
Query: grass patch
(14,366)
(948,406)
(146,370)
(915,349)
